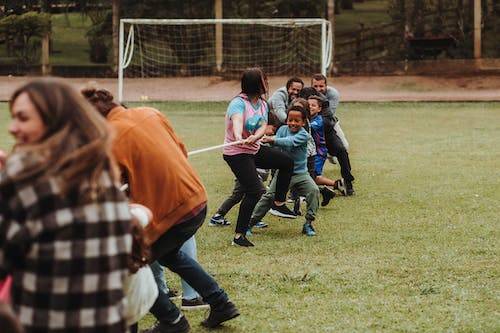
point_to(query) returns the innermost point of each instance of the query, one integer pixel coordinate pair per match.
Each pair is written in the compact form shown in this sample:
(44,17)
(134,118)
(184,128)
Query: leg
(189,248)
(159,275)
(339,150)
(341,135)
(164,309)
(270,158)
(191,271)
(264,203)
(243,167)
(232,200)
(306,187)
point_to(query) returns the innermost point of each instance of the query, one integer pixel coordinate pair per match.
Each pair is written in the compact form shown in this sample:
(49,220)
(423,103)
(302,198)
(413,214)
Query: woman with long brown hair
(64,224)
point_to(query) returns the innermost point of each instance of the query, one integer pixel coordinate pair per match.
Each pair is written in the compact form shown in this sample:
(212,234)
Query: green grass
(416,249)
(70,43)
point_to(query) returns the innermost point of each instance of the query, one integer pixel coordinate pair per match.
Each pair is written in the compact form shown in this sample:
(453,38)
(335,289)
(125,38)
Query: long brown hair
(77,144)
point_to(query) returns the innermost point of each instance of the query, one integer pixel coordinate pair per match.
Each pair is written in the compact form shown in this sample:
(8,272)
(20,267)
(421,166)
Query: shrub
(23,35)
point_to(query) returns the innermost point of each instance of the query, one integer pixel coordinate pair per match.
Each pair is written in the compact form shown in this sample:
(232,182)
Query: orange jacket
(155,161)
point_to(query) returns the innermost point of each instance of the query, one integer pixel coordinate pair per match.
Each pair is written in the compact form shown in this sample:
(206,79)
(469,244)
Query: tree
(24,33)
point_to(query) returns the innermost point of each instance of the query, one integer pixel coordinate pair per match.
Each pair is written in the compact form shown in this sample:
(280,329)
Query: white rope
(194,152)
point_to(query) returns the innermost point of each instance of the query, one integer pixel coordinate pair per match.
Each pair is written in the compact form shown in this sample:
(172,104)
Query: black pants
(244,168)
(336,148)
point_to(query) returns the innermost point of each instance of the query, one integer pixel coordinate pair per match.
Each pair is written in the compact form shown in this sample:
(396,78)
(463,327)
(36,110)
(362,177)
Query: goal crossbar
(304,21)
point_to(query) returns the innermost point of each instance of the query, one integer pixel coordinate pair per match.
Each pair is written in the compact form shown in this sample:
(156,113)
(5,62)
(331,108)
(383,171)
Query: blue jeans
(189,248)
(159,275)
(167,252)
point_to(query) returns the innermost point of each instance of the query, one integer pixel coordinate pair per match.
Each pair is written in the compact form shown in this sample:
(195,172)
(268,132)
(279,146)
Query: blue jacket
(295,144)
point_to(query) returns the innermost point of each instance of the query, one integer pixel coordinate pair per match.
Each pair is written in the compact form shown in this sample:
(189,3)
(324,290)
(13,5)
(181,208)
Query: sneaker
(182,326)
(340,186)
(308,230)
(242,241)
(348,188)
(173,294)
(260,225)
(194,304)
(327,195)
(221,314)
(282,211)
(218,221)
(296,207)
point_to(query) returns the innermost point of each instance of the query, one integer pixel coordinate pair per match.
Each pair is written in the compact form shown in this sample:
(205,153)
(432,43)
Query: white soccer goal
(158,48)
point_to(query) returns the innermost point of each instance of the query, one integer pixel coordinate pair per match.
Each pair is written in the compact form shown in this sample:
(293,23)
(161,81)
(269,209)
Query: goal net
(158,48)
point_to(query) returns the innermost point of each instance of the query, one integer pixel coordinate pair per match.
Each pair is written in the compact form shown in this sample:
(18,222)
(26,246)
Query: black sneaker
(194,304)
(296,207)
(282,211)
(327,194)
(348,188)
(221,314)
(182,326)
(340,186)
(242,241)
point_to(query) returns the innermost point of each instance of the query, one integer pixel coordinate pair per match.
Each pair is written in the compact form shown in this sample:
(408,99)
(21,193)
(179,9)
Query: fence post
(45,54)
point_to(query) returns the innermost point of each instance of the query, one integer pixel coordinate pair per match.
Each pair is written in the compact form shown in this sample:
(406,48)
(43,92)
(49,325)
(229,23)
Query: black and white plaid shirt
(68,258)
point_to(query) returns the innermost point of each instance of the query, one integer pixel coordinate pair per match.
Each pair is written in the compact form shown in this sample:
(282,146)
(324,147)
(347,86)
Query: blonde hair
(77,144)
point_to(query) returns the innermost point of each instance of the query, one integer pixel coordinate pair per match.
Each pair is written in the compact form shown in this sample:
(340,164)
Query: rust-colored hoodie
(155,161)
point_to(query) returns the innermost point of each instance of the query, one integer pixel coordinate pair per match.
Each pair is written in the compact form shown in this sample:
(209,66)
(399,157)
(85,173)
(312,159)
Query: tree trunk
(116,27)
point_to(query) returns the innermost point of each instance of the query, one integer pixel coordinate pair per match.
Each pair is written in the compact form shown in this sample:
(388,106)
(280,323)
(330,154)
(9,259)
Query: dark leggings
(244,168)
(336,148)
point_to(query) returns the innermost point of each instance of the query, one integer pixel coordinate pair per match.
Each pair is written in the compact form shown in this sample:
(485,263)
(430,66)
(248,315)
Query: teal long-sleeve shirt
(294,144)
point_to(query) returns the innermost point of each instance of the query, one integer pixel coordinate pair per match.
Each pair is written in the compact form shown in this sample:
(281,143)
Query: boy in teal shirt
(293,140)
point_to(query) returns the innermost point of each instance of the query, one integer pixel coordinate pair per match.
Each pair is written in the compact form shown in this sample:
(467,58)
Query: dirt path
(352,88)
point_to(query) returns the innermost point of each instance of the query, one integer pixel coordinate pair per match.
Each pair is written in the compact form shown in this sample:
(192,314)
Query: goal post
(158,48)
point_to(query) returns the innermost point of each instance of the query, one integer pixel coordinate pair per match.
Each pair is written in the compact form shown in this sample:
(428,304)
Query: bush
(23,35)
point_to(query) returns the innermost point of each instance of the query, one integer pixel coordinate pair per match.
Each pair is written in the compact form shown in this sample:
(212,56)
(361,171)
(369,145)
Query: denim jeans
(159,275)
(166,250)
(189,248)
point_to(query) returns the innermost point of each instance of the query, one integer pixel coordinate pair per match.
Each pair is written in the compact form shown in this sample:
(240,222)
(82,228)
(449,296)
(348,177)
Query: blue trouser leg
(159,275)
(189,270)
(189,248)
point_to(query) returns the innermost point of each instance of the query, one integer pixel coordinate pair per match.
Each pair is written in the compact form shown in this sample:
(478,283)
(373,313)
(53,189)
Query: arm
(296,140)
(278,103)
(334,99)
(237,120)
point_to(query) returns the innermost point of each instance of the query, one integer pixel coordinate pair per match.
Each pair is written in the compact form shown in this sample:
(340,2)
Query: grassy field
(416,249)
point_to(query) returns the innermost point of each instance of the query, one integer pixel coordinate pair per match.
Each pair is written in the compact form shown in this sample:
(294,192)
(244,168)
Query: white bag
(141,292)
